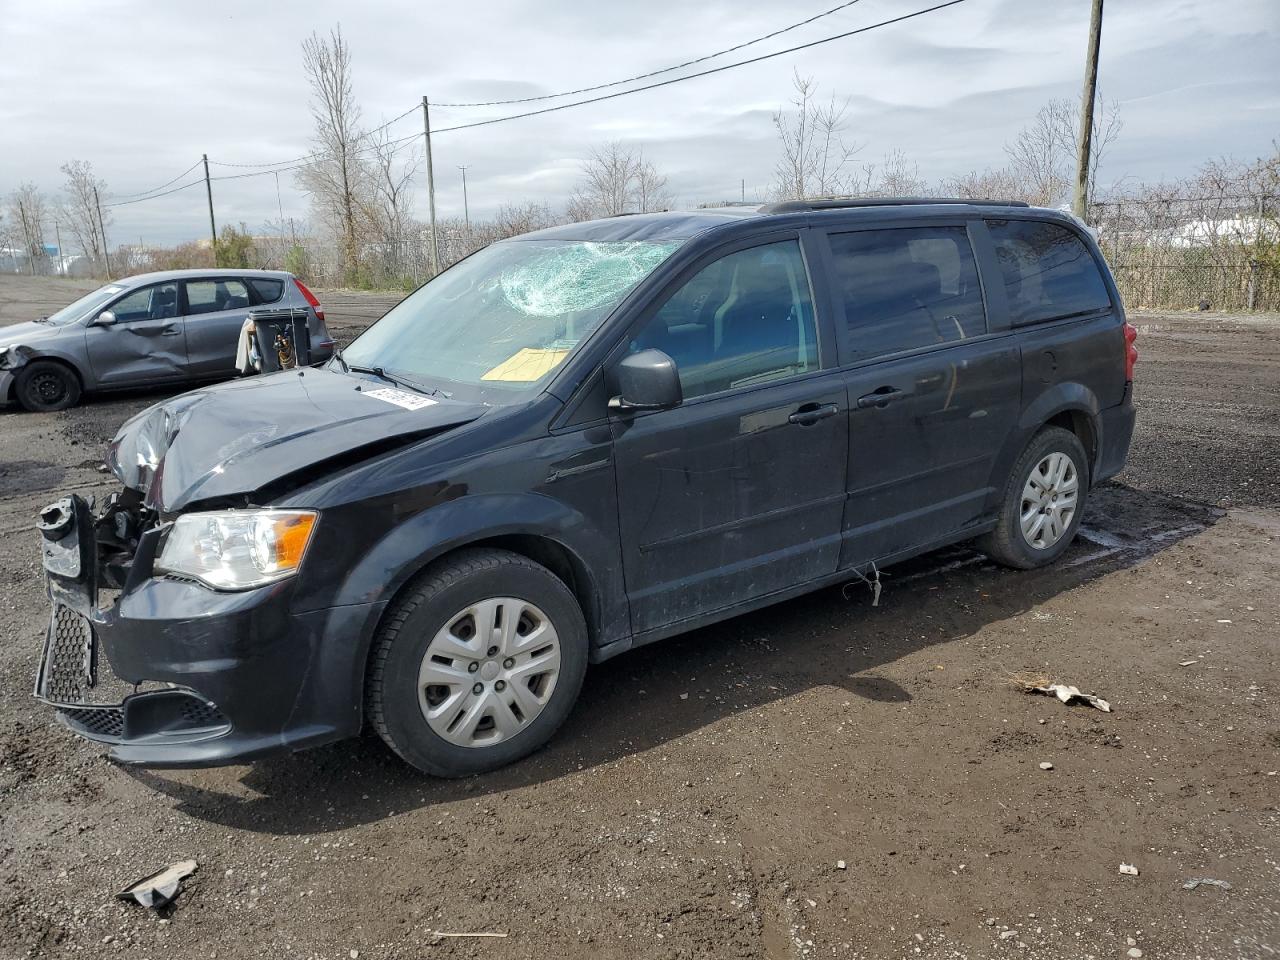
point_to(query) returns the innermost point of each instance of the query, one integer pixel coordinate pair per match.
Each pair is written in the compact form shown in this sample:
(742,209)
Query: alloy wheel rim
(1050,498)
(489,672)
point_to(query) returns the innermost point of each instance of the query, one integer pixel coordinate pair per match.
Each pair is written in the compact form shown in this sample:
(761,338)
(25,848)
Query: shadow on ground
(659,693)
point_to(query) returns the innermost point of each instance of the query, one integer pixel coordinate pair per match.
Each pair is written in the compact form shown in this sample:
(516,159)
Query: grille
(70,665)
(199,714)
(98,721)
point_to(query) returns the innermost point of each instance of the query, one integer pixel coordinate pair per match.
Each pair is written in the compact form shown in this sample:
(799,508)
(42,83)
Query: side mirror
(105,319)
(647,380)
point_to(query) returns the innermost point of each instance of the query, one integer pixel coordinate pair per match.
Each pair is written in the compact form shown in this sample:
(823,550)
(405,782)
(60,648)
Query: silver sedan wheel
(489,672)
(1049,500)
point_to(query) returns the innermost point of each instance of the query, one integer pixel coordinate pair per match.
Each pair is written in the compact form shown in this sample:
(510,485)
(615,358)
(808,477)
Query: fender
(1058,398)
(409,546)
(18,355)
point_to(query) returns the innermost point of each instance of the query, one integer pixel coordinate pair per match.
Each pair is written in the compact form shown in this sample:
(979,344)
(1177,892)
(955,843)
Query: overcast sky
(141,89)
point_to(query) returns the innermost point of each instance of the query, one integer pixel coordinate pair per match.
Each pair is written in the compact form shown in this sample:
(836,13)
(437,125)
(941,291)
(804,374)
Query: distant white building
(1242,228)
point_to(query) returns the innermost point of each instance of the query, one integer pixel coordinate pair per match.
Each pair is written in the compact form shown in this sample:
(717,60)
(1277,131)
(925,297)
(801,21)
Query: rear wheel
(45,385)
(477,664)
(1042,503)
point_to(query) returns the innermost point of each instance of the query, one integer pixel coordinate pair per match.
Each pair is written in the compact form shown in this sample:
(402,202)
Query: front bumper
(174,674)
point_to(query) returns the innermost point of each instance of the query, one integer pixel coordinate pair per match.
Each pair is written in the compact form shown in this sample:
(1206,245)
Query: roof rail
(841,203)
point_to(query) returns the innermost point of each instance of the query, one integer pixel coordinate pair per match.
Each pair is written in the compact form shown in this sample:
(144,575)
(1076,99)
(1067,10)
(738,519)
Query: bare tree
(29,211)
(651,193)
(998,184)
(80,207)
(1042,156)
(896,176)
(608,178)
(815,159)
(617,179)
(335,179)
(390,186)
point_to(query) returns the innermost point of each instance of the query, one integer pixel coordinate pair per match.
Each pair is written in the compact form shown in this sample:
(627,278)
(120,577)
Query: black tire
(46,385)
(424,608)
(1006,544)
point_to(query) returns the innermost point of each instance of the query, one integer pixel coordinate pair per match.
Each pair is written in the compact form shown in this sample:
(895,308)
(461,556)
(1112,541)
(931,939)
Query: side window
(908,288)
(1048,272)
(268,291)
(157,302)
(745,319)
(210,296)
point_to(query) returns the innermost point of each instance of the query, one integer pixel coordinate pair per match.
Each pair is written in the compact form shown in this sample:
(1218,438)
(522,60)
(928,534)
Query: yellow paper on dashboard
(527,365)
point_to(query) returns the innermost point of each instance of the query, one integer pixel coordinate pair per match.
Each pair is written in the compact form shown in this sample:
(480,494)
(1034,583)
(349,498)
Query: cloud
(143,89)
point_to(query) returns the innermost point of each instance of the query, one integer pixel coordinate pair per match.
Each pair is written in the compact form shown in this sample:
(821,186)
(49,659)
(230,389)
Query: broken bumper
(173,674)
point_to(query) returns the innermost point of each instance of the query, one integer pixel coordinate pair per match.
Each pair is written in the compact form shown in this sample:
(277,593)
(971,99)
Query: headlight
(237,549)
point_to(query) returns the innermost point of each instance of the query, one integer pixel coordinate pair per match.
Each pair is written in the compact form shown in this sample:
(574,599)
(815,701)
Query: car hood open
(240,437)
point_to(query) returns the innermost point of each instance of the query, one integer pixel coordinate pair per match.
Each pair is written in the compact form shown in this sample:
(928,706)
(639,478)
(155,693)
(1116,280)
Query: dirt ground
(821,779)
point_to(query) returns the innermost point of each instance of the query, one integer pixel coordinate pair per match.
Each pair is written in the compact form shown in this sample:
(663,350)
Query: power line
(655,73)
(312,156)
(309,159)
(702,73)
(155,196)
(163,185)
(549,96)
(315,158)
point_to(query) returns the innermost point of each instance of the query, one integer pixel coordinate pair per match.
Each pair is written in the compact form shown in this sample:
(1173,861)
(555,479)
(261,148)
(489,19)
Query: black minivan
(572,443)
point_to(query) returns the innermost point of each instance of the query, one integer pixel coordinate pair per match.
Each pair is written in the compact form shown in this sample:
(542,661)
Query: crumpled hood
(239,437)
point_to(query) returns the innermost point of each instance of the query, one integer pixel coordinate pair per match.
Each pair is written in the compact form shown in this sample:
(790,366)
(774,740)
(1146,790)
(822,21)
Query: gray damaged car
(155,329)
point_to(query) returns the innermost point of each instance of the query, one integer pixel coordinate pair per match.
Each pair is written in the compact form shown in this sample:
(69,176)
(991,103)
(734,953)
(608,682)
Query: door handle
(880,398)
(811,413)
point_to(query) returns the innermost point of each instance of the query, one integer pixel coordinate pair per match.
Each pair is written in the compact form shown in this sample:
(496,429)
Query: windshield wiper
(382,374)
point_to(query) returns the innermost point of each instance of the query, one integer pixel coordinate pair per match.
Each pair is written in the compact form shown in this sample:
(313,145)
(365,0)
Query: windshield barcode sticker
(410,401)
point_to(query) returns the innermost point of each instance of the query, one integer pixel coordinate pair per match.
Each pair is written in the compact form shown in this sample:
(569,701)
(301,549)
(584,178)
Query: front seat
(758,329)
(165,305)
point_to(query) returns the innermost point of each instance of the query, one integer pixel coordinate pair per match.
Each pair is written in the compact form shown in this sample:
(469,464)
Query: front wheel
(477,664)
(45,385)
(1042,503)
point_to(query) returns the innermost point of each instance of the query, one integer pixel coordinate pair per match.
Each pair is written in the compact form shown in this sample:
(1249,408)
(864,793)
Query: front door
(738,492)
(215,310)
(933,393)
(145,344)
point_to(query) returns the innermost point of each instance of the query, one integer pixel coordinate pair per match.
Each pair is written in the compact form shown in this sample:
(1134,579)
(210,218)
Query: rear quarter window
(1047,270)
(268,291)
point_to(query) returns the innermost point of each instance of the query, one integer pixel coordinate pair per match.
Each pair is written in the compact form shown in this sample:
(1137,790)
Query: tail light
(315,304)
(1130,351)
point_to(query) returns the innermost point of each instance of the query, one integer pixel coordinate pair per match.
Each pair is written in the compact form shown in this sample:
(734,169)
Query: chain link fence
(1193,253)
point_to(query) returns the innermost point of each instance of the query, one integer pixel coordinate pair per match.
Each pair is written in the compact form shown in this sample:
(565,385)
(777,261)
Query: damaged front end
(90,560)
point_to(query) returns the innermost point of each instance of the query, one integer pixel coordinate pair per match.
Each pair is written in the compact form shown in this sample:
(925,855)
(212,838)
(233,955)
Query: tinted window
(1048,272)
(158,302)
(210,296)
(905,289)
(268,291)
(747,318)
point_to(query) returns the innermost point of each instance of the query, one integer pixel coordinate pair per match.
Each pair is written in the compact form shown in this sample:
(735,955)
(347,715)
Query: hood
(242,436)
(29,331)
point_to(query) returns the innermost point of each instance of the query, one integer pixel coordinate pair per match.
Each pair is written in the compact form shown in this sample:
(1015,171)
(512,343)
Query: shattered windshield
(501,321)
(85,305)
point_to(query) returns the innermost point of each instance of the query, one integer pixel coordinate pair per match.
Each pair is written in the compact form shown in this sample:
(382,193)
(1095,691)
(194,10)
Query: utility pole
(431,189)
(279,204)
(466,211)
(1080,198)
(102,229)
(208,191)
(57,232)
(26,236)
(744,189)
